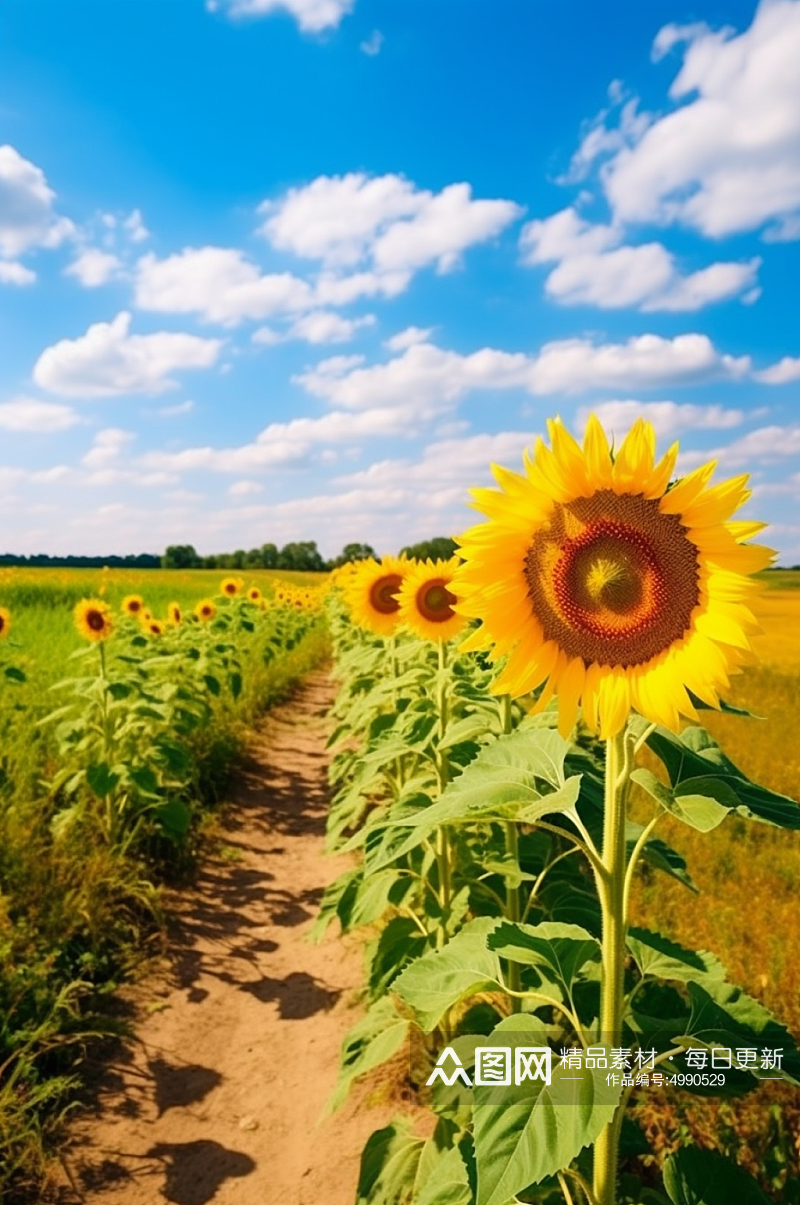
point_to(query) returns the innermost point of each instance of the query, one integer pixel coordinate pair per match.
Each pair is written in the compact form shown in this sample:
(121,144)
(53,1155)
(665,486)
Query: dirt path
(219,1097)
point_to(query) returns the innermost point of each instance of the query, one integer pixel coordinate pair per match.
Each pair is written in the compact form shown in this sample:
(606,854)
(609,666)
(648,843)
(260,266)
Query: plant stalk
(443,777)
(611,885)
(513,910)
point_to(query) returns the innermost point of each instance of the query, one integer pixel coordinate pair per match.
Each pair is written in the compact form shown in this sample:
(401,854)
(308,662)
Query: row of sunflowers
(107,783)
(483,780)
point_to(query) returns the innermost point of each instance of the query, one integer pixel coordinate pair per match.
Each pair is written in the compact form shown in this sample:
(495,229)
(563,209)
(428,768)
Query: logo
(493,1066)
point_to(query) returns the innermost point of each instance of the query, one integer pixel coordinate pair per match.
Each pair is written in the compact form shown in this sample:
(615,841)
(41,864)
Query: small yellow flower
(205,610)
(231,586)
(5,622)
(372,593)
(132,604)
(174,613)
(254,594)
(155,627)
(93,619)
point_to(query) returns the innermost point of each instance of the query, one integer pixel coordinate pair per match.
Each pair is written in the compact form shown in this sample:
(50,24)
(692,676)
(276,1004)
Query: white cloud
(426,380)
(27,216)
(219,284)
(593,269)
(30,414)
(283,444)
(667,417)
(178,409)
(346,220)
(108,360)
(372,45)
(93,267)
(727,159)
(323,326)
(765,445)
(134,225)
(408,337)
(312,16)
(13,273)
(245,489)
(786,370)
(107,447)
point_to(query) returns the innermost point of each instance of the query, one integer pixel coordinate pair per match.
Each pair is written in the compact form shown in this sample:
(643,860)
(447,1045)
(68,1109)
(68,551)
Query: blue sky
(301,269)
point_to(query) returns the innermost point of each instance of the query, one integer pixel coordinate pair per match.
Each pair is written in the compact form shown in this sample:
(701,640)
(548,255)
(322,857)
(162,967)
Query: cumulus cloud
(668,418)
(283,444)
(427,380)
(108,360)
(312,16)
(786,370)
(348,220)
(107,447)
(372,45)
(30,414)
(245,489)
(764,446)
(27,215)
(93,267)
(594,269)
(728,158)
(219,284)
(14,273)
(324,326)
(135,228)
(408,337)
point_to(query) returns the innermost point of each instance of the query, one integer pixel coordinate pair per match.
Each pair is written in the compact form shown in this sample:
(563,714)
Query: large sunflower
(93,619)
(615,588)
(5,622)
(426,602)
(372,591)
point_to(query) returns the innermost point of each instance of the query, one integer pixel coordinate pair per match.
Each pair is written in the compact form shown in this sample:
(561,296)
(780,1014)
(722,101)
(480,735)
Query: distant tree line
(302,554)
(141,560)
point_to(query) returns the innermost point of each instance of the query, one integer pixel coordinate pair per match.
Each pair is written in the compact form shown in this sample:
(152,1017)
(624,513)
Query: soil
(219,1097)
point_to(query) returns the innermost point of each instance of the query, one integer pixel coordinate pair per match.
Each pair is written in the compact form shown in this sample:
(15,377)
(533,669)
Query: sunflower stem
(513,909)
(611,889)
(443,777)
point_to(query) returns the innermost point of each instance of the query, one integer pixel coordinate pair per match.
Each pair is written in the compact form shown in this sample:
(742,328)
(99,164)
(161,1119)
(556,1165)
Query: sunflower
(613,586)
(231,586)
(254,594)
(372,593)
(5,622)
(426,603)
(132,604)
(93,619)
(174,613)
(154,627)
(205,610)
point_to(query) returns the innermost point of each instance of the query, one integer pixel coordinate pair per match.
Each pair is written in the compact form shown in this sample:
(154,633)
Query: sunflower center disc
(95,621)
(612,579)
(383,592)
(434,601)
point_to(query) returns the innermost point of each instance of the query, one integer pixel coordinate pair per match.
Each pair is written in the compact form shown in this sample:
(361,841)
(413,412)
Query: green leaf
(212,684)
(695,754)
(389,1164)
(661,958)
(14,674)
(561,949)
(235,683)
(119,690)
(102,779)
(524,1134)
(438,980)
(373,1040)
(696,1177)
(724,1015)
(726,708)
(449,1182)
(701,802)
(174,817)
